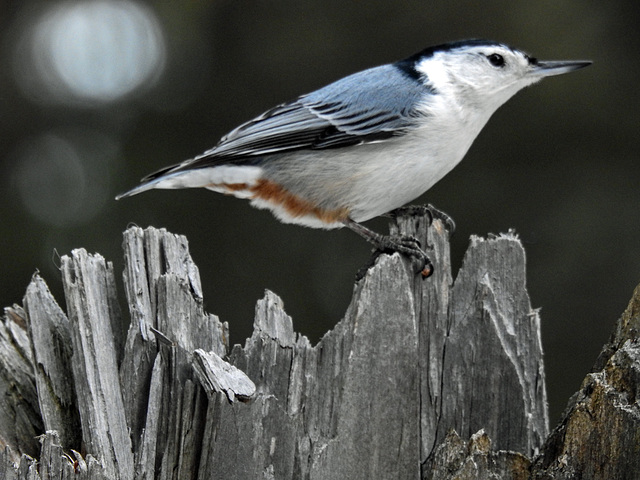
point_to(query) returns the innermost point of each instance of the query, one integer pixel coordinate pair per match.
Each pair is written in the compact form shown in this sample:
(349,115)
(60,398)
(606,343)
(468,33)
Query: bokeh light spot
(62,178)
(90,52)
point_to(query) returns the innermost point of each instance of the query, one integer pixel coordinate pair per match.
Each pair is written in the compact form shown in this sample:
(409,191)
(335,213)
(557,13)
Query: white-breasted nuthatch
(366,144)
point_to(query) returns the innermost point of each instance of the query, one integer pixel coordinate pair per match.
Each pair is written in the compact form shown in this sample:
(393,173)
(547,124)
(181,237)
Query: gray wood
(493,350)
(216,375)
(361,379)
(381,395)
(86,281)
(479,343)
(140,345)
(50,335)
(20,417)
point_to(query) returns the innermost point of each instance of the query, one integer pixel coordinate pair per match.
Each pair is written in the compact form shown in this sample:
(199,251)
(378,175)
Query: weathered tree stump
(430,379)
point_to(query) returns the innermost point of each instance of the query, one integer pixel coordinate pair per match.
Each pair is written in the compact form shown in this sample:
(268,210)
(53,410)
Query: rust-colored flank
(294,205)
(233,187)
(273,193)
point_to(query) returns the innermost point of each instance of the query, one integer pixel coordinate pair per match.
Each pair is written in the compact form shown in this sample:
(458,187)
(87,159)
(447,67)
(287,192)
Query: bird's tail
(225,178)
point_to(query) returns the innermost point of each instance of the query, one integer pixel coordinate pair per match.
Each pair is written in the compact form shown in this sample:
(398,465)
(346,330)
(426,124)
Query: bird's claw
(407,241)
(444,217)
(426,210)
(404,244)
(411,247)
(418,257)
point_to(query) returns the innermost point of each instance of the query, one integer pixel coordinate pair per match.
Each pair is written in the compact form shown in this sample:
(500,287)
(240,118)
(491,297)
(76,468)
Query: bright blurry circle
(63,178)
(92,51)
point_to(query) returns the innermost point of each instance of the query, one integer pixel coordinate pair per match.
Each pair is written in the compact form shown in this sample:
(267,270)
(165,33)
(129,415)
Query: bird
(366,144)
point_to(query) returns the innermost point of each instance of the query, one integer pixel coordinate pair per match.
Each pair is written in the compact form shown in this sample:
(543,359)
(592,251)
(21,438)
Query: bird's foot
(409,246)
(403,244)
(429,210)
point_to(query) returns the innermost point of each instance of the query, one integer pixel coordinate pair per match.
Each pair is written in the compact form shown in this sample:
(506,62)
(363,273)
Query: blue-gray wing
(372,105)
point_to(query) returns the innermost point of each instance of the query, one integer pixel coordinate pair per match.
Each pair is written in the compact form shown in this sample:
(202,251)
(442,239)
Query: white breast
(405,168)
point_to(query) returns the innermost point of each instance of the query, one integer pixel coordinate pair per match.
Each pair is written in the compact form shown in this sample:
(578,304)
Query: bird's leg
(402,244)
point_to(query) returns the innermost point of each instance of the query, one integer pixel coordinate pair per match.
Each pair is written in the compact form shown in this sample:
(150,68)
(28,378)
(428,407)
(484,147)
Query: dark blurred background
(96,94)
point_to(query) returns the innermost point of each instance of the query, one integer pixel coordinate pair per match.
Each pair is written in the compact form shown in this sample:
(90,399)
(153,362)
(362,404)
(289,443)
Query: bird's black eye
(496,59)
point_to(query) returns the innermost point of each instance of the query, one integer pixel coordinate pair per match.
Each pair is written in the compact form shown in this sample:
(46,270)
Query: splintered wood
(430,378)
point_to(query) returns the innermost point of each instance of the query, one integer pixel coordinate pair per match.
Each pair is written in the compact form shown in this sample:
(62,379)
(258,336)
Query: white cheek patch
(435,71)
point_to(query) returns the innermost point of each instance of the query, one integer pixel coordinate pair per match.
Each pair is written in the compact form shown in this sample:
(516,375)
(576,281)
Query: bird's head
(483,74)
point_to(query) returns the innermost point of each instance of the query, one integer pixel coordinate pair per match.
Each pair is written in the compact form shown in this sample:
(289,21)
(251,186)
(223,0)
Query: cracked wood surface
(377,397)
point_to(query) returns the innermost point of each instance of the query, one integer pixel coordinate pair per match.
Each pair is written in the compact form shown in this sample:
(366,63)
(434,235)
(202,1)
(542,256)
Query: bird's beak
(557,67)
